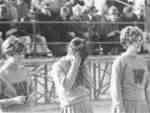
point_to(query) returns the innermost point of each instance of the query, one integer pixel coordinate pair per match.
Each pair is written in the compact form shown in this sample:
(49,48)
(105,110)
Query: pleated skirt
(135,106)
(82,107)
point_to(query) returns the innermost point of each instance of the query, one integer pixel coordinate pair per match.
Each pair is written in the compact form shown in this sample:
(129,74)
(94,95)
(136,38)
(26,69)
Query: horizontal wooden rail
(44,88)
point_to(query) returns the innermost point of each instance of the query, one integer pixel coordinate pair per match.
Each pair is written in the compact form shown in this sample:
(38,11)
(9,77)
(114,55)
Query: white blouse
(13,71)
(128,79)
(73,95)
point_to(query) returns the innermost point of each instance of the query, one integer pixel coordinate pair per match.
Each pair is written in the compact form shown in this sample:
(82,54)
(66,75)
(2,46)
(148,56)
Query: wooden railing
(44,88)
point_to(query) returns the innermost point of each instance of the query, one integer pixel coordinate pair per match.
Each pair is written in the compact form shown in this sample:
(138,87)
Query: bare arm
(115,86)
(11,101)
(147,93)
(2,77)
(9,90)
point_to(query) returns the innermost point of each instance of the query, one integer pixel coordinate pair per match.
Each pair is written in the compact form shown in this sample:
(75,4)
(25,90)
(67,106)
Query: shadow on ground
(100,106)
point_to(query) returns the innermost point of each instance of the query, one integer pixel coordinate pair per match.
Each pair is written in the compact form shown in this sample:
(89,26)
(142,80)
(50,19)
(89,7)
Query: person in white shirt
(130,75)
(13,76)
(72,80)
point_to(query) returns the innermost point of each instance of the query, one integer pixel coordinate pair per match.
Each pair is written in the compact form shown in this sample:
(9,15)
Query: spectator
(140,13)
(39,46)
(128,15)
(110,25)
(54,6)
(114,48)
(36,4)
(46,9)
(3,10)
(88,4)
(113,14)
(77,13)
(22,9)
(65,13)
(116,4)
(11,11)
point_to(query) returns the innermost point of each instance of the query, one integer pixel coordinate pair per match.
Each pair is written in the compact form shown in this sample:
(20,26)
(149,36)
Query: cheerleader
(13,77)
(130,76)
(72,79)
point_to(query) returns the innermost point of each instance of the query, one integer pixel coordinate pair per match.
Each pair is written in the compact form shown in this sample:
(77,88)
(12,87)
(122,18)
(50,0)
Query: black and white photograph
(74,56)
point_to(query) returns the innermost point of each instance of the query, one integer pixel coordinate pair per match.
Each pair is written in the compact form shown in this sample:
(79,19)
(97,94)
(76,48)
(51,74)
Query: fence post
(147,15)
(46,83)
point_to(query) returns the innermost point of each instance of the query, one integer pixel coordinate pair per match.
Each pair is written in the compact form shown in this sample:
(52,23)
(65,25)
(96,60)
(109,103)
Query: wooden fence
(44,88)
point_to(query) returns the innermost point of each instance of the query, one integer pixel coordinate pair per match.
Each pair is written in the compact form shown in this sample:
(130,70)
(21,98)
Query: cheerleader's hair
(78,45)
(81,46)
(131,34)
(12,46)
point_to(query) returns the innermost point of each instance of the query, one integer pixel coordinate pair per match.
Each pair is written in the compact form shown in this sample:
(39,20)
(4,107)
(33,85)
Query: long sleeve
(62,78)
(115,87)
(57,74)
(147,86)
(147,91)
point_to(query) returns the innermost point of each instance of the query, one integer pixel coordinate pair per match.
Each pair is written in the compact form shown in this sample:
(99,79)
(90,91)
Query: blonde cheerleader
(13,77)
(72,80)
(130,78)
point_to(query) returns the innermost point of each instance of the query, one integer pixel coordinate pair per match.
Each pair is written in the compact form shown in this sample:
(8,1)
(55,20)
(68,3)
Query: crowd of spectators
(73,10)
(62,20)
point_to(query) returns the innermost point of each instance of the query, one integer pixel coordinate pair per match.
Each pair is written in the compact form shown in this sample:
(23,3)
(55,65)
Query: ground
(100,106)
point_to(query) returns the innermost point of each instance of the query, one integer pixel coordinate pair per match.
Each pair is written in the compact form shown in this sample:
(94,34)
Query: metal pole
(34,36)
(147,16)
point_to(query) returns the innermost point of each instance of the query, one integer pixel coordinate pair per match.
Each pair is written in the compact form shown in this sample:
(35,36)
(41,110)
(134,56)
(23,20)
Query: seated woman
(13,76)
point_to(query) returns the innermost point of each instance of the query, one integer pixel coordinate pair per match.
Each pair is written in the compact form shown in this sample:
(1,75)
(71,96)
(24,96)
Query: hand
(76,59)
(19,99)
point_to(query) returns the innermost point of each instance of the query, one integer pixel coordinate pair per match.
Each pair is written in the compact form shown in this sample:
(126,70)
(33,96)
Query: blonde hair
(131,34)
(75,45)
(78,45)
(12,45)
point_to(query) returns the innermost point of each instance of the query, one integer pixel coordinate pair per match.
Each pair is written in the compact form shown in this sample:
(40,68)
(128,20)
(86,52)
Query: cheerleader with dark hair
(72,79)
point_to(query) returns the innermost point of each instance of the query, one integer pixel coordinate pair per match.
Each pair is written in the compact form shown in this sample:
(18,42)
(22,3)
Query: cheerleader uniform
(75,99)
(128,83)
(15,75)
